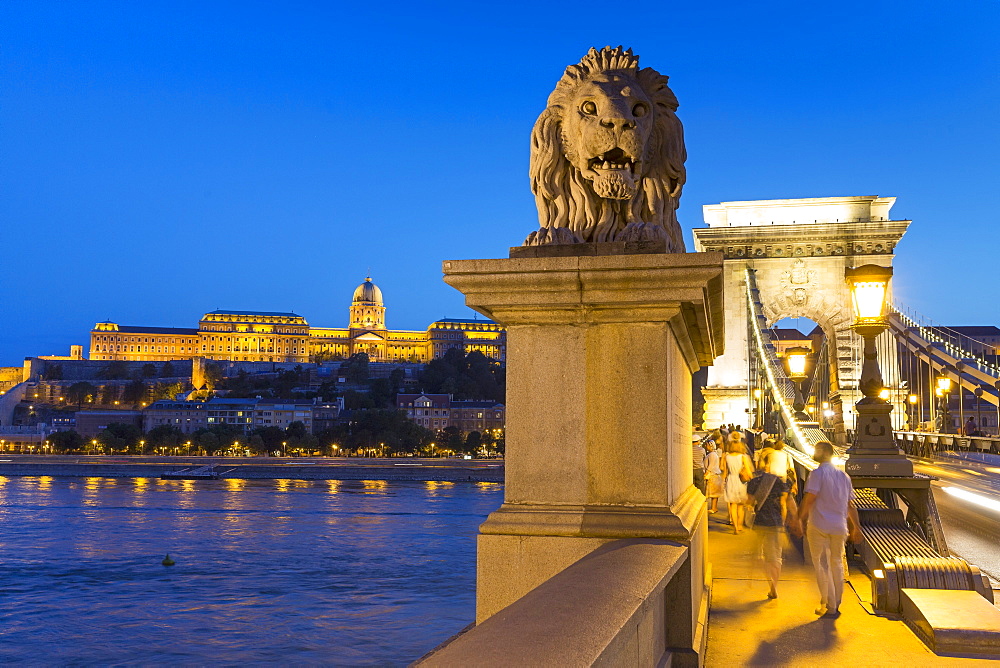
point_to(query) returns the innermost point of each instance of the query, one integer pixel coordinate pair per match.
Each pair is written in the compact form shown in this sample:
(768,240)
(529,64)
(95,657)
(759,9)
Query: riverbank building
(268,336)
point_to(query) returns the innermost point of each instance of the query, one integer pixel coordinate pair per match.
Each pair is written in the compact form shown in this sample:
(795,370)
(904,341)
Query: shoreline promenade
(747,629)
(260,468)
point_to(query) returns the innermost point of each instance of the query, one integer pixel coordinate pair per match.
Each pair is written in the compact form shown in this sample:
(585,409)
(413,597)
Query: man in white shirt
(828,505)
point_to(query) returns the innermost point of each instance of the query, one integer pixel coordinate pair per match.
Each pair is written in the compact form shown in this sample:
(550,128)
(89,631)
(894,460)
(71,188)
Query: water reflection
(352,572)
(433,485)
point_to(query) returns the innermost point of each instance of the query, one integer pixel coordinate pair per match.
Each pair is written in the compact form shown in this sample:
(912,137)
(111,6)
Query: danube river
(330,572)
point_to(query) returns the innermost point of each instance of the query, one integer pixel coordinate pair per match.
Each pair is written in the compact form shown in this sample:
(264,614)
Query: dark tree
(472,442)
(65,441)
(213,376)
(53,372)
(119,436)
(472,376)
(356,368)
(77,393)
(452,439)
(134,392)
(382,393)
(149,370)
(109,393)
(296,432)
(167,371)
(271,436)
(164,435)
(116,370)
(206,440)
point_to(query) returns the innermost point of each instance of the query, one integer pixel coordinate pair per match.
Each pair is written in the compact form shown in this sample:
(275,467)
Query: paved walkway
(747,629)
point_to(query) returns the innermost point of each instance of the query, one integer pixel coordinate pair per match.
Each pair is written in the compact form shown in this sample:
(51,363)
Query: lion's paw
(546,236)
(643,232)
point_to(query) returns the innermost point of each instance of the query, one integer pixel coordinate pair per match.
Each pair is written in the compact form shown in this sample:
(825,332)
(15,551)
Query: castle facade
(264,336)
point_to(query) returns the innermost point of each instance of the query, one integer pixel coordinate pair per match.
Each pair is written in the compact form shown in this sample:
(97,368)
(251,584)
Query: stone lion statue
(607,155)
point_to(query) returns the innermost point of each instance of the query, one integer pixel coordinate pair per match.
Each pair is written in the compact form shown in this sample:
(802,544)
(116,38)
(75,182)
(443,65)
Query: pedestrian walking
(698,463)
(713,475)
(737,469)
(831,517)
(779,462)
(775,508)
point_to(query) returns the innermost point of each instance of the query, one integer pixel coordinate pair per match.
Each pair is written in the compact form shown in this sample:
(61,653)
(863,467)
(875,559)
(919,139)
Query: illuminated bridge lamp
(911,402)
(796,360)
(944,415)
(874,452)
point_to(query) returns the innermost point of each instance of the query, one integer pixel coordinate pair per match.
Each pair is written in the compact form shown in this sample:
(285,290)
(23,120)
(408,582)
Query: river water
(267,571)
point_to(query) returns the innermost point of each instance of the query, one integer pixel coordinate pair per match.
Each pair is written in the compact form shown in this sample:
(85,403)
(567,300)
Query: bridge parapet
(606,609)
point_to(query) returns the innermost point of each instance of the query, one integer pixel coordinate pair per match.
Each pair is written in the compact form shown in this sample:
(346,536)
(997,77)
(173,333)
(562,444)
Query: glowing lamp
(883,393)
(944,383)
(796,359)
(758,393)
(912,398)
(868,284)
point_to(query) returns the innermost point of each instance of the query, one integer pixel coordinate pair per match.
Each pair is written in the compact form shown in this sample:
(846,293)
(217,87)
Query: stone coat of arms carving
(795,283)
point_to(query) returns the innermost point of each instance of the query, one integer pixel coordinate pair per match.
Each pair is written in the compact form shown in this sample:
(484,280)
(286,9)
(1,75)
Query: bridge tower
(799,249)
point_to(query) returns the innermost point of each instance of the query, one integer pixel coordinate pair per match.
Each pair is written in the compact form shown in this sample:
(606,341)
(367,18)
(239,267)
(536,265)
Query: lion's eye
(589,108)
(640,110)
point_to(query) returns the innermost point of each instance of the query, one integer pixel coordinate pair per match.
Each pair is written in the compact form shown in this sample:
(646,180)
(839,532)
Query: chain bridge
(909,408)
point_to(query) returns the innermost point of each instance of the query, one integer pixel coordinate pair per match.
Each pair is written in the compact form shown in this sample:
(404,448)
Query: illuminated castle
(263,336)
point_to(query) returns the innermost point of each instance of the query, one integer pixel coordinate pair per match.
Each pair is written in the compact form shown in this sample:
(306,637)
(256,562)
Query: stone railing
(627,603)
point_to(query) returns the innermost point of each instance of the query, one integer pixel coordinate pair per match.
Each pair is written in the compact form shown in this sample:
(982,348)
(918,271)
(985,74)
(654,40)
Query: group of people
(729,463)
(763,478)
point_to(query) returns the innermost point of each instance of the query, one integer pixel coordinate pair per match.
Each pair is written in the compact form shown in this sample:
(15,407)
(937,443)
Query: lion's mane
(565,199)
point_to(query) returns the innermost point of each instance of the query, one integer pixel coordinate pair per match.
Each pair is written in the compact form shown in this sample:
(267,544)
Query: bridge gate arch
(799,250)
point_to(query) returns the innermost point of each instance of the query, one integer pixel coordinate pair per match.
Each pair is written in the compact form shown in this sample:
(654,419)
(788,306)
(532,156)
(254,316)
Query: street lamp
(874,451)
(758,397)
(796,360)
(911,404)
(944,415)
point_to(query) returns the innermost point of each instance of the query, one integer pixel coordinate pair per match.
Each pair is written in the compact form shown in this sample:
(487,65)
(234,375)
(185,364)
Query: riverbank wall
(392,470)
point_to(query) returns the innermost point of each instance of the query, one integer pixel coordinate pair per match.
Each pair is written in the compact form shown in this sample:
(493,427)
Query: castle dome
(368,292)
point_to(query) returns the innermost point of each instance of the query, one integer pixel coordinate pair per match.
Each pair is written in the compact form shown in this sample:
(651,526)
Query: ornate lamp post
(874,452)
(911,402)
(944,415)
(795,361)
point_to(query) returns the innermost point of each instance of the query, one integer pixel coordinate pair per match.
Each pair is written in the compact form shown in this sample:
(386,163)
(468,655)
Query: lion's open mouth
(615,159)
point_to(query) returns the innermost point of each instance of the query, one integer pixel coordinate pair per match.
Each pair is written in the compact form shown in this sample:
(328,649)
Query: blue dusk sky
(159,160)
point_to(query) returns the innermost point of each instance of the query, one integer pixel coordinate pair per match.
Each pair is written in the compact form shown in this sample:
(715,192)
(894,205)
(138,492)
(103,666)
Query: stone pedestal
(874,452)
(600,355)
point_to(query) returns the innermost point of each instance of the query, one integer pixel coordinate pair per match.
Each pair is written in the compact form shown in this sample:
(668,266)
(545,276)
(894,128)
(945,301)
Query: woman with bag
(737,469)
(775,508)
